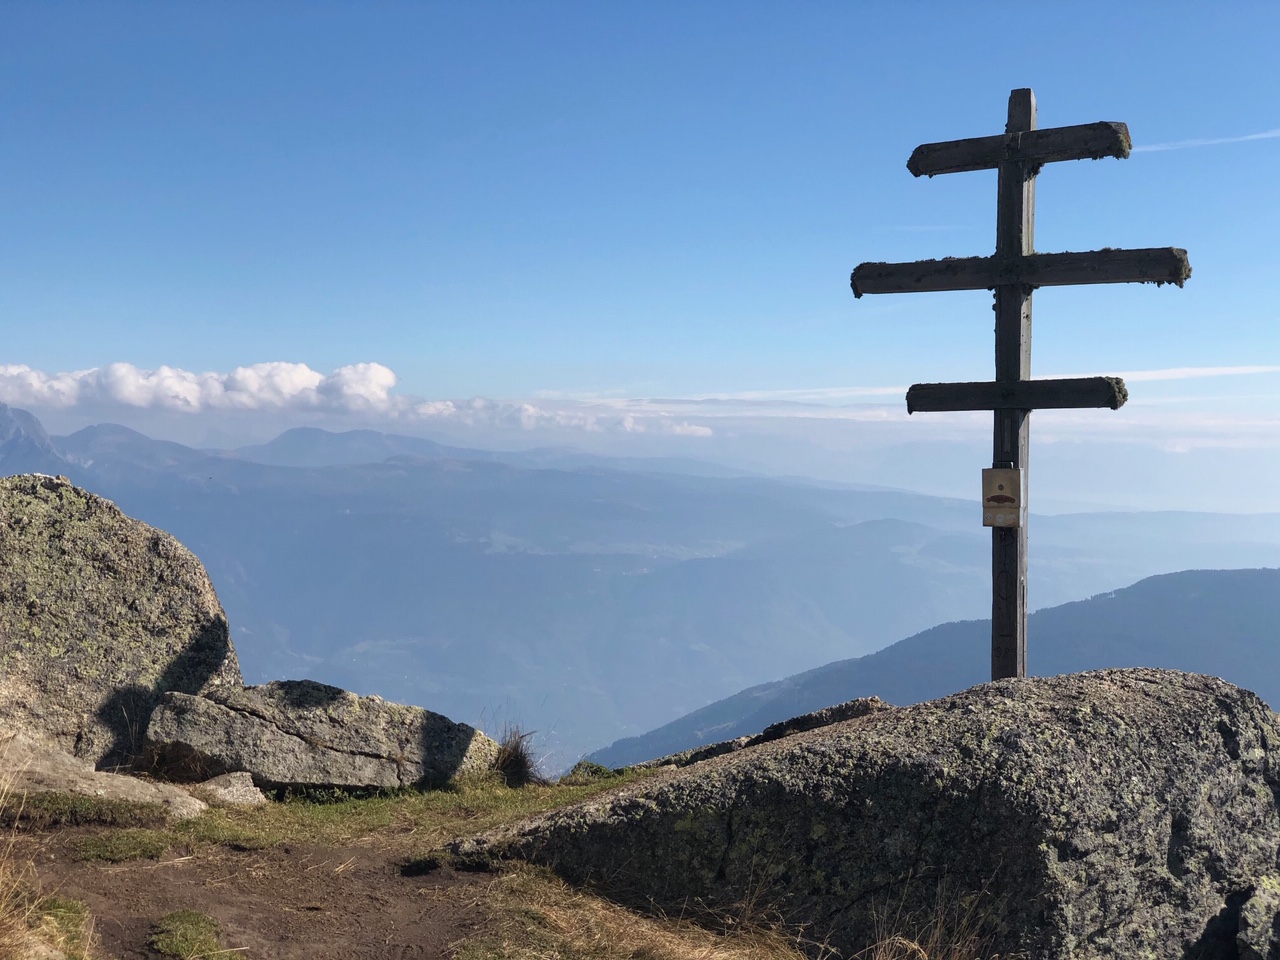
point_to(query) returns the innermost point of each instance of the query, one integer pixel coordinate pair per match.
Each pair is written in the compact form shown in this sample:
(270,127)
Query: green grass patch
(41,811)
(187,934)
(431,818)
(131,843)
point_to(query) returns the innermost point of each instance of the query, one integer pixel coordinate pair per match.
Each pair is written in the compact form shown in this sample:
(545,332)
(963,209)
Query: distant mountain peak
(17,425)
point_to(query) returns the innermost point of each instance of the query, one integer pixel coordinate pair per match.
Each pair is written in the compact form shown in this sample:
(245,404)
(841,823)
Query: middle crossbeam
(1149,265)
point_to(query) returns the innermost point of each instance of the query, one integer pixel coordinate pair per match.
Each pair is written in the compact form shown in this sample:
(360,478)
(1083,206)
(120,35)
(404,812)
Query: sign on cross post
(1013,273)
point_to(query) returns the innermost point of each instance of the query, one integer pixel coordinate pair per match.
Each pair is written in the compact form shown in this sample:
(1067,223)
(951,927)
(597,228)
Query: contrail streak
(1211,142)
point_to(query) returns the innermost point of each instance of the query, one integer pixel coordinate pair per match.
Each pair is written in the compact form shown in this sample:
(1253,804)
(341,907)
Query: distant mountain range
(1221,622)
(583,597)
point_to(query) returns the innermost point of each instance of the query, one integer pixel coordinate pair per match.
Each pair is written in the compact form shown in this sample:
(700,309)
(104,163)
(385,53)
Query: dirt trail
(290,902)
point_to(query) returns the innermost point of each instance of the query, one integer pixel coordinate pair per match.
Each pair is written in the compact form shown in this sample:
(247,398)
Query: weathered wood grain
(1015,241)
(1063,394)
(1157,265)
(1085,141)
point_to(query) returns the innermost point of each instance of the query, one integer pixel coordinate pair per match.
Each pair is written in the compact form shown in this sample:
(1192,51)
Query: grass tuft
(117,846)
(585,772)
(515,762)
(63,924)
(189,935)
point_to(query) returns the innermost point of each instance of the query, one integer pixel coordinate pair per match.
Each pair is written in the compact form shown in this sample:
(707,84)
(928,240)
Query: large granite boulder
(100,614)
(1120,813)
(304,734)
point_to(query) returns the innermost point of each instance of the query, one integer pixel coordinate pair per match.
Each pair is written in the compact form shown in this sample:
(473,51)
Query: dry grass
(515,762)
(535,915)
(14,901)
(28,920)
(955,929)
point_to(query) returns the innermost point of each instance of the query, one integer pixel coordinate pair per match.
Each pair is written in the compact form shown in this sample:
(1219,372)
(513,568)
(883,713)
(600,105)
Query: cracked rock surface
(1117,813)
(299,733)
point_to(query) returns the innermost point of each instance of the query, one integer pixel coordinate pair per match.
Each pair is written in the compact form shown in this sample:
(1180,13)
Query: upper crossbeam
(1085,141)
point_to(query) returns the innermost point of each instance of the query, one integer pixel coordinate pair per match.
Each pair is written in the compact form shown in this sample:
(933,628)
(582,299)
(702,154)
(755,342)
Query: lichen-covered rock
(299,733)
(1120,813)
(99,615)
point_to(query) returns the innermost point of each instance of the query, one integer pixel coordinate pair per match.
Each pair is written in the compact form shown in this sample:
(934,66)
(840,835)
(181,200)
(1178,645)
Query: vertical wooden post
(1015,237)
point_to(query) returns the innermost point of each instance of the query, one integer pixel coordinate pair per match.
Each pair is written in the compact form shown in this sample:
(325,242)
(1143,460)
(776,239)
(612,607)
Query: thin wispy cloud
(1207,142)
(853,394)
(481,412)
(1196,373)
(1184,373)
(811,394)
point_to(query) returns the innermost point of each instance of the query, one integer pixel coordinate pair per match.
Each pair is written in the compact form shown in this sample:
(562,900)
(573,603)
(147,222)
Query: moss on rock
(100,614)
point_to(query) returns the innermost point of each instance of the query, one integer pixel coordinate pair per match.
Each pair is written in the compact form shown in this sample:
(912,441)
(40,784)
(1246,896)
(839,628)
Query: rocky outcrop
(32,766)
(100,614)
(306,734)
(1120,813)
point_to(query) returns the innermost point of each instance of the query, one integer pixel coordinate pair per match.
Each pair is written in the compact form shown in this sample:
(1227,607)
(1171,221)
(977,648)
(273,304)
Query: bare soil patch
(288,902)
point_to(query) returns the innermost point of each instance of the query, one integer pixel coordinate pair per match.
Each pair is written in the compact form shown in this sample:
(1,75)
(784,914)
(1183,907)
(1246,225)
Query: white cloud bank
(356,389)
(364,394)
(262,386)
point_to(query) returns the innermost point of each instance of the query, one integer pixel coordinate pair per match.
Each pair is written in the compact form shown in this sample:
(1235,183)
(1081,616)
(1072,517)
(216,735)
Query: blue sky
(556,205)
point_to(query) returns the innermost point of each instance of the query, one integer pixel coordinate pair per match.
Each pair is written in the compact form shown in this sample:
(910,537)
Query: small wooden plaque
(1002,497)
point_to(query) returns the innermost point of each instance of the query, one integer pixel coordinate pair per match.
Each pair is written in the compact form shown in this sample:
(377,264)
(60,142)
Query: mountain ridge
(1241,608)
(588,602)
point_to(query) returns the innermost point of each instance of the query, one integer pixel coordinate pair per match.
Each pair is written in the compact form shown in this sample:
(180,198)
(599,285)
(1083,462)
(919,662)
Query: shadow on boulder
(126,714)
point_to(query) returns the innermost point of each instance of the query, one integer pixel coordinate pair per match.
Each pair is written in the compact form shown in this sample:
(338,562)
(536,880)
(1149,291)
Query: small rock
(233,789)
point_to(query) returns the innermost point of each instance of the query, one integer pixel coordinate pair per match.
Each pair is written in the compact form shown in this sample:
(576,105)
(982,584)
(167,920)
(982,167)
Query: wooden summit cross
(1014,272)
